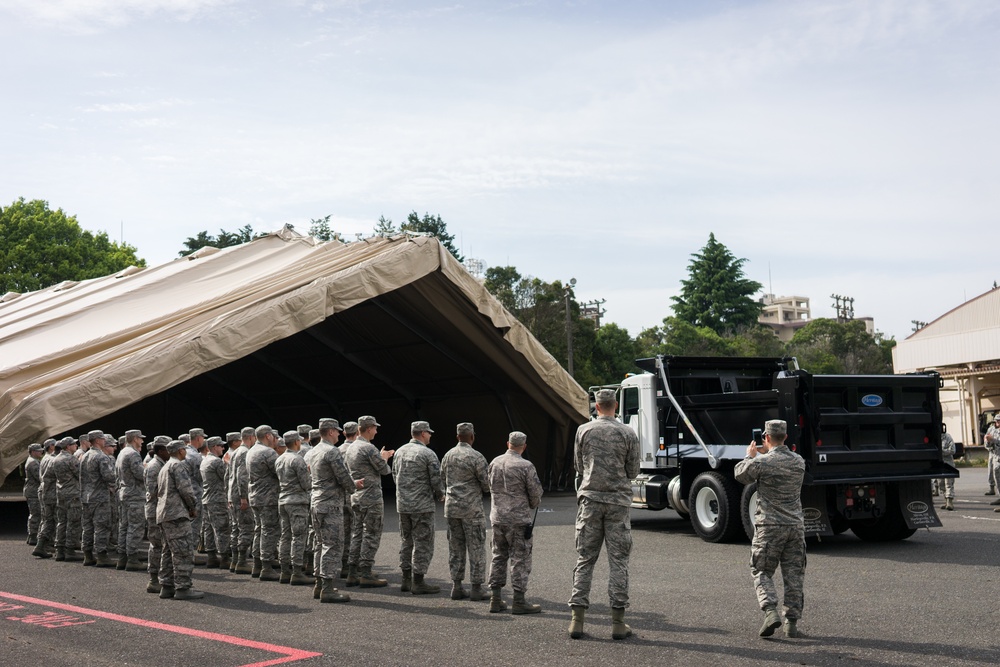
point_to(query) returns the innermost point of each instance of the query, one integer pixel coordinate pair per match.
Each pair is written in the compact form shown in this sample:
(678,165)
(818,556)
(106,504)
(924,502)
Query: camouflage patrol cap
(122,440)
(420,427)
(84,437)
(175,446)
(35,447)
(96,435)
(328,422)
(775,427)
(303,430)
(162,440)
(350,428)
(66,442)
(517,438)
(366,421)
(49,443)
(263,430)
(313,433)
(197,433)
(604,396)
(247,431)
(233,436)
(465,428)
(134,433)
(214,441)
(291,436)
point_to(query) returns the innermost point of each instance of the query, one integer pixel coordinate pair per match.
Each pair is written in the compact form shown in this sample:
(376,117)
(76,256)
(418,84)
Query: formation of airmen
(298,508)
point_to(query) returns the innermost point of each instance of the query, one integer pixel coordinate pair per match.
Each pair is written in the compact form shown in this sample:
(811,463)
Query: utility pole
(844,306)
(569,326)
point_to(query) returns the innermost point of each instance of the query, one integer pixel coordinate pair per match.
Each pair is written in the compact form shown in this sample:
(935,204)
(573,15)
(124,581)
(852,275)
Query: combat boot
(478,593)
(996,502)
(368,580)
(420,588)
(60,554)
(32,540)
(457,592)
(407,582)
(771,622)
(286,573)
(949,505)
(122,560)
(352,577)
(242,567)
(103,560)
(133,564)
(234,557)
(991,492)
(88,558)
(188,594)
(522,607)
(41,549)
(224,562)
(70,555)
(213,560)
(166,592)
(576,624)
(307,563)
(267,572)
(496,602)
(317,588)
(331,594)
(790,629)
(154,584)
(257,566)
(619,628)
(298,577)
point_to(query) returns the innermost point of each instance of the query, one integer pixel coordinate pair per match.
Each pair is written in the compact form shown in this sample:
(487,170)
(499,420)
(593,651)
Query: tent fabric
(285,328)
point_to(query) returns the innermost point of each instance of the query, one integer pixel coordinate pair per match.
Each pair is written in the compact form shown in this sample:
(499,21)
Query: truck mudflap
(916,505)
(814,512)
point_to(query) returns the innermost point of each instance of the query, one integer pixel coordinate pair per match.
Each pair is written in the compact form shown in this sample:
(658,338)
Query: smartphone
(757,437)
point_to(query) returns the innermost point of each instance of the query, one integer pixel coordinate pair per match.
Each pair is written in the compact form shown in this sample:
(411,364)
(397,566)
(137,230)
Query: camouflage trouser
(216,528)
(994,470)
(329,544)
(207,537)
(266,530)
(348,533)
(155,546)
(176,562)
(47,527)
(68,526)
(416,532)
(131,521)
(771,546)
(196,521)
(113,525)
(294,531)
(467,536)
(96,525)
(599,524)
(243,528)
(34,514)
(509,545)
(366,535)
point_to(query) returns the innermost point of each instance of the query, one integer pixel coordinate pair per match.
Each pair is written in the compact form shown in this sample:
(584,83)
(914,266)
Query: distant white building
(963,345)
(784,314)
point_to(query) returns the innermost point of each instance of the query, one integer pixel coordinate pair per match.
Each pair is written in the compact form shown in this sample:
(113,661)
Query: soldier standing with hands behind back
(992,442)
(779,531)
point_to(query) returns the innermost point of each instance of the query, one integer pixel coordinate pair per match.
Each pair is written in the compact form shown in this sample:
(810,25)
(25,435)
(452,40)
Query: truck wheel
(714,503)
(887,528)
(748,508)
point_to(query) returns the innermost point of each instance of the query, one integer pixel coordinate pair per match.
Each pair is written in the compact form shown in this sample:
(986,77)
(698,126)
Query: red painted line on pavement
(289,654)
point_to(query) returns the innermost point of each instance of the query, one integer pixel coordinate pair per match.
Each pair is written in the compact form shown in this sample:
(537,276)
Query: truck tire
(889,527)
(748,507)
(714,503)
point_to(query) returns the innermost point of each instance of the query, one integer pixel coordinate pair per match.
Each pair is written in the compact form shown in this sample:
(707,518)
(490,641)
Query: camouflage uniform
(349,513)
(97,482)
(948,456)
(293,507)
(263,496)
(515,490)
(214,502)
(463,472)
(417,474)
(365,462)
(47,499)
(330,483)
(132,494)
(151,481)
(779,533)
(606,459)
(66,468)
(175,500)
(992,442)
(239,489)
(193,462)
(32,480)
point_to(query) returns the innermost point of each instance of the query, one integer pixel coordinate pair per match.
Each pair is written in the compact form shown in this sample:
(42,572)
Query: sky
(839,146)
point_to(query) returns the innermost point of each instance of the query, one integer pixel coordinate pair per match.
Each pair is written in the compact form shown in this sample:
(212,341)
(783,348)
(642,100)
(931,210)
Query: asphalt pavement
(930,599)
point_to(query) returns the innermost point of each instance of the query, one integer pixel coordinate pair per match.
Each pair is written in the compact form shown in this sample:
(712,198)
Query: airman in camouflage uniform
(132,495)
(158,456)
(303,431)
(330,484)
(515,490)
(264,489)
(463,472)
(33,480)
(97,483)
(233,444)
(66,469)
(366,505)
(176,505)
(948,483)
(606,459)
(193,442)
(350,435)
(293,510)
(779,532)
(992,442)
(239,498)
(215,505)
(83,445)
(417,473)
(47,500)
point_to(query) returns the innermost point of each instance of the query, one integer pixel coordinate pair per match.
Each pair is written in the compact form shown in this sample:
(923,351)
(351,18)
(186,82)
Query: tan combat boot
(421,588)
(478,593)
(576,624)
(771,622)
(368,580)
(299,578)
(457,592)
(331,594)
(352,577)
(102,559)
(496,601)
(790,629)
(619,629)
(286,573)
(267,572)
(407,582)
(522,607)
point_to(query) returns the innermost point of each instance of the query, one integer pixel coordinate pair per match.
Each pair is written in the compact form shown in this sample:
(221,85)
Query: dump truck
(871,443)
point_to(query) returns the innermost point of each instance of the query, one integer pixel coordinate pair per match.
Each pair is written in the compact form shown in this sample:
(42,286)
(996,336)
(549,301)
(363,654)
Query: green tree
(828,346)
(385,227)
(40,247)
(678,337)
(503,282)
(433,225)
(614,354)
(320,229)
(223,240)
(717,294)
